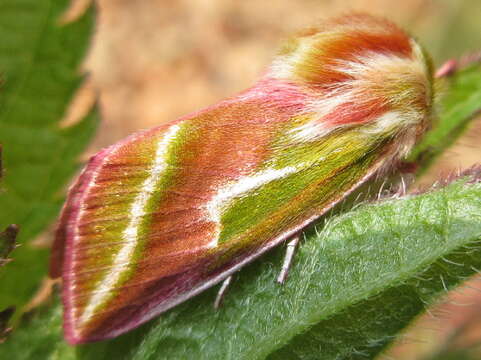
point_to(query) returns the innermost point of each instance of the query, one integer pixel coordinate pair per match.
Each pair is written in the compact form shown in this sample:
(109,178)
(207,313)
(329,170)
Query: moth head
(360,70)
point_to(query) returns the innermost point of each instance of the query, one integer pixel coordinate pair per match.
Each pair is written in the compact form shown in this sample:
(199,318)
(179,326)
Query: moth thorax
(360,64)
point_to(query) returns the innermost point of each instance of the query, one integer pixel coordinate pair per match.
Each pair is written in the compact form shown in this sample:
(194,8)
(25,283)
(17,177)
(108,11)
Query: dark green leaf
(354,285)
(39,63)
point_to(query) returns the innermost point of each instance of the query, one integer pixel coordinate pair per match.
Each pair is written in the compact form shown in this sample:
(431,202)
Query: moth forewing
(169,212)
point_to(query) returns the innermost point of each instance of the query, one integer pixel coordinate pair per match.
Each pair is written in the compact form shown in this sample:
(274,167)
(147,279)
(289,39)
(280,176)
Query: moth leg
(291,250)
(222,291)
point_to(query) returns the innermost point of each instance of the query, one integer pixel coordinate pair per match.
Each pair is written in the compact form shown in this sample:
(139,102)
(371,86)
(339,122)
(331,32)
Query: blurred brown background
(152,61)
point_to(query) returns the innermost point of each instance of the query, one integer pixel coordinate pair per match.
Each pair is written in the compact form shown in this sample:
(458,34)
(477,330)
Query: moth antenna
(290,252)
(447,69)
(452,65)
(222,291)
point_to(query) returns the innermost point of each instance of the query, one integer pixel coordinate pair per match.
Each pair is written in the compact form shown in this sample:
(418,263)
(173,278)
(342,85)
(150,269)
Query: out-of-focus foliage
(39,63)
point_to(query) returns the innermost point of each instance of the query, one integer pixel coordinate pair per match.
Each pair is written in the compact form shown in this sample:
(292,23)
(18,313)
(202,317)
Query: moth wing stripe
(130,233)
(241,186)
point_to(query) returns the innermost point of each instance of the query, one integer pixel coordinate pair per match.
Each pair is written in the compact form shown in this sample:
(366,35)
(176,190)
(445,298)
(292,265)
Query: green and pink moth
(167,213)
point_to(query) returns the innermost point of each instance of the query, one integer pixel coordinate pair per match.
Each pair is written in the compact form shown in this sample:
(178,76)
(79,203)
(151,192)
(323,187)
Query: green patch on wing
(304,176)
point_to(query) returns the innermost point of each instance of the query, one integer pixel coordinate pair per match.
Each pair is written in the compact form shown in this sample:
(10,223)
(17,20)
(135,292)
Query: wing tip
(76,332)
(73,338)
(71,208)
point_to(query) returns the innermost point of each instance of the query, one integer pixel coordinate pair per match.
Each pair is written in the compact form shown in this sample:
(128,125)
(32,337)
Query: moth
(168,212)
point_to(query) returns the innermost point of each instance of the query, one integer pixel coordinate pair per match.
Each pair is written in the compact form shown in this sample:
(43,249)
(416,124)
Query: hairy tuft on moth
(166,213)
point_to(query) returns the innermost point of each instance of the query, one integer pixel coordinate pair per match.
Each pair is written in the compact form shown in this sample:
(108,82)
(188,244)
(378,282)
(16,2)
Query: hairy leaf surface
(354,285)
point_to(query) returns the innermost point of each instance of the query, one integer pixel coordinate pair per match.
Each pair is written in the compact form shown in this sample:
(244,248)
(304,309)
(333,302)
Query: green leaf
(353,286)
(459,105)
(39,63)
